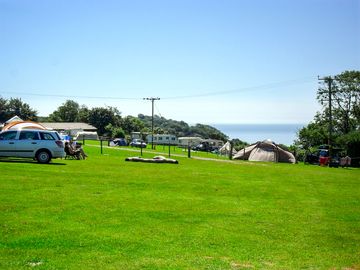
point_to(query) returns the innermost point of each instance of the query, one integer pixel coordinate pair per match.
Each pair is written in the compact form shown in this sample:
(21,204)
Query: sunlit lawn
(105,213)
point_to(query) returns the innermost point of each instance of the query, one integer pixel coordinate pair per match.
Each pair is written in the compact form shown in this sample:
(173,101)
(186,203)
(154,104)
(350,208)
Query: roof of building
(68,126)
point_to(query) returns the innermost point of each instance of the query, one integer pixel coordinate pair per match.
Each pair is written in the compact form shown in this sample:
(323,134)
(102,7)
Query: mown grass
(105,213)
(163,149)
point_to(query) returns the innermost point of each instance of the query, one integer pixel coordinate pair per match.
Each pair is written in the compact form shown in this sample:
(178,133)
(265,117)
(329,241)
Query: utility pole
(152,118)
(329,81)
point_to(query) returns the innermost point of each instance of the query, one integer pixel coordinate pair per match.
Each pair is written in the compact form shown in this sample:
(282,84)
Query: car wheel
(43,156)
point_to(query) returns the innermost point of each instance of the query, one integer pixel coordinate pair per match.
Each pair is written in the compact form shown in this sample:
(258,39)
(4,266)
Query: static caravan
(86,135)
(163,139)
(189,141)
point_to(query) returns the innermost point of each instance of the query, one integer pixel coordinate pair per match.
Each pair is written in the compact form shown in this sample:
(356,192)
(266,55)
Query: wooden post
(169,148)
(231,150)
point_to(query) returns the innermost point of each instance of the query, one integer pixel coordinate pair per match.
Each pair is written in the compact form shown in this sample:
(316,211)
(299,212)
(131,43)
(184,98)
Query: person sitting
(77,147)
(71,152)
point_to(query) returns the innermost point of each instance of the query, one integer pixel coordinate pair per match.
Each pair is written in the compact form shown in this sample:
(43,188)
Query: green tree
(83,115)
(207,132)
(351,142)
(314,134)
(346,99)
(131,123)
(345,113)
(15,106)
(114,131)
(101,117)
(3,110)
(67,112)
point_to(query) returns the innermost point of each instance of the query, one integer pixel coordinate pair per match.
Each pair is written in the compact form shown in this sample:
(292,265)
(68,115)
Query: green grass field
(105,213)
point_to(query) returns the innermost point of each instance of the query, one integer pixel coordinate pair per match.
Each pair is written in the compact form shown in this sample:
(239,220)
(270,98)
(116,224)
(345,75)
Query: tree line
(107,120)
(345,120)
(344,123)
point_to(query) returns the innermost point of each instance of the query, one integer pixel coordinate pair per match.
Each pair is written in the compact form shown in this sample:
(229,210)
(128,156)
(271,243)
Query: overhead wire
(267,86)
(157,109)
(69,96)
(245,89)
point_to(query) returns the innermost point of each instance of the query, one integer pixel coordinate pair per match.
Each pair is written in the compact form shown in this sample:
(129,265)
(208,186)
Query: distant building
(189,141)
(163,139)
(70,128)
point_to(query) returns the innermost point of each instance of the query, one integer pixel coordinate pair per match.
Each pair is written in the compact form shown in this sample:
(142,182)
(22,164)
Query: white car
(43,145)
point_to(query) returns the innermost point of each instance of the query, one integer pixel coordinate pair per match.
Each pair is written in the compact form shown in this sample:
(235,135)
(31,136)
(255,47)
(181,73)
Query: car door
(8,143)
(28,143)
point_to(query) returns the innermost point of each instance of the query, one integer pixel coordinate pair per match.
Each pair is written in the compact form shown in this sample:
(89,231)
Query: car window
(57,136)
(47,136)
(9,135)
(29,135)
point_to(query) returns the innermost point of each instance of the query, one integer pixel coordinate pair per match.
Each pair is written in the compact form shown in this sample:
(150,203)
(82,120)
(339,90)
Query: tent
(265,151)
(23,125)
(13,119)
(225,150)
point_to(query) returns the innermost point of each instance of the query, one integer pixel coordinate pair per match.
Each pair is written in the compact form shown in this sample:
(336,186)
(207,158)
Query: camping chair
(72,155)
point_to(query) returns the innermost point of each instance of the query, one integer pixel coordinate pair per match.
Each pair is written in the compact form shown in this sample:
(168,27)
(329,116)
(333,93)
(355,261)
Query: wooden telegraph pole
(152,118)
(329,81)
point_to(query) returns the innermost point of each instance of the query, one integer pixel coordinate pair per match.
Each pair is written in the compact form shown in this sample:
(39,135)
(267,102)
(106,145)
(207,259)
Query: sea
(251,133)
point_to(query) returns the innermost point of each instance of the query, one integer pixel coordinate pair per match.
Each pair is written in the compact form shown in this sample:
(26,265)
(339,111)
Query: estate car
(42,145)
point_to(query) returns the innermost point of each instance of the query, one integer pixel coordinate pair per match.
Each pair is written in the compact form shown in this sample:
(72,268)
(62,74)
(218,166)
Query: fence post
(169,148)
(189,151)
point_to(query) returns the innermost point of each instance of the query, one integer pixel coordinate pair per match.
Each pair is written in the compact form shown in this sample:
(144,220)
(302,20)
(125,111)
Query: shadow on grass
(23,160)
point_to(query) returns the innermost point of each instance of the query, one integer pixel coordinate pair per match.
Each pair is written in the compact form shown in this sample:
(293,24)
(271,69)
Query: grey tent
(225,150)
(265,151)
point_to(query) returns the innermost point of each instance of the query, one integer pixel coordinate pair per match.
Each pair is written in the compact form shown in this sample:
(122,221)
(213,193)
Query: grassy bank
(105,213)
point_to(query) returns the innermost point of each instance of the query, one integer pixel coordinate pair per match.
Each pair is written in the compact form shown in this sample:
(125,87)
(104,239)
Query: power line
(251,88)
(267,86)
(157,109)
(69,96)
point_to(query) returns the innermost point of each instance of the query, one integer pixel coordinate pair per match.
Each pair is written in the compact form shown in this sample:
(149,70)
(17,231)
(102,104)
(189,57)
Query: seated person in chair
(71,151)
(77,147)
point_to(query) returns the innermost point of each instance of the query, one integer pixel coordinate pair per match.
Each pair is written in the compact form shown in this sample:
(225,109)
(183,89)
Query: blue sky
(208,61)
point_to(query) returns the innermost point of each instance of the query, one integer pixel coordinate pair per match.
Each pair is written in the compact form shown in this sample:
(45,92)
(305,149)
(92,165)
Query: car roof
(29,129)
